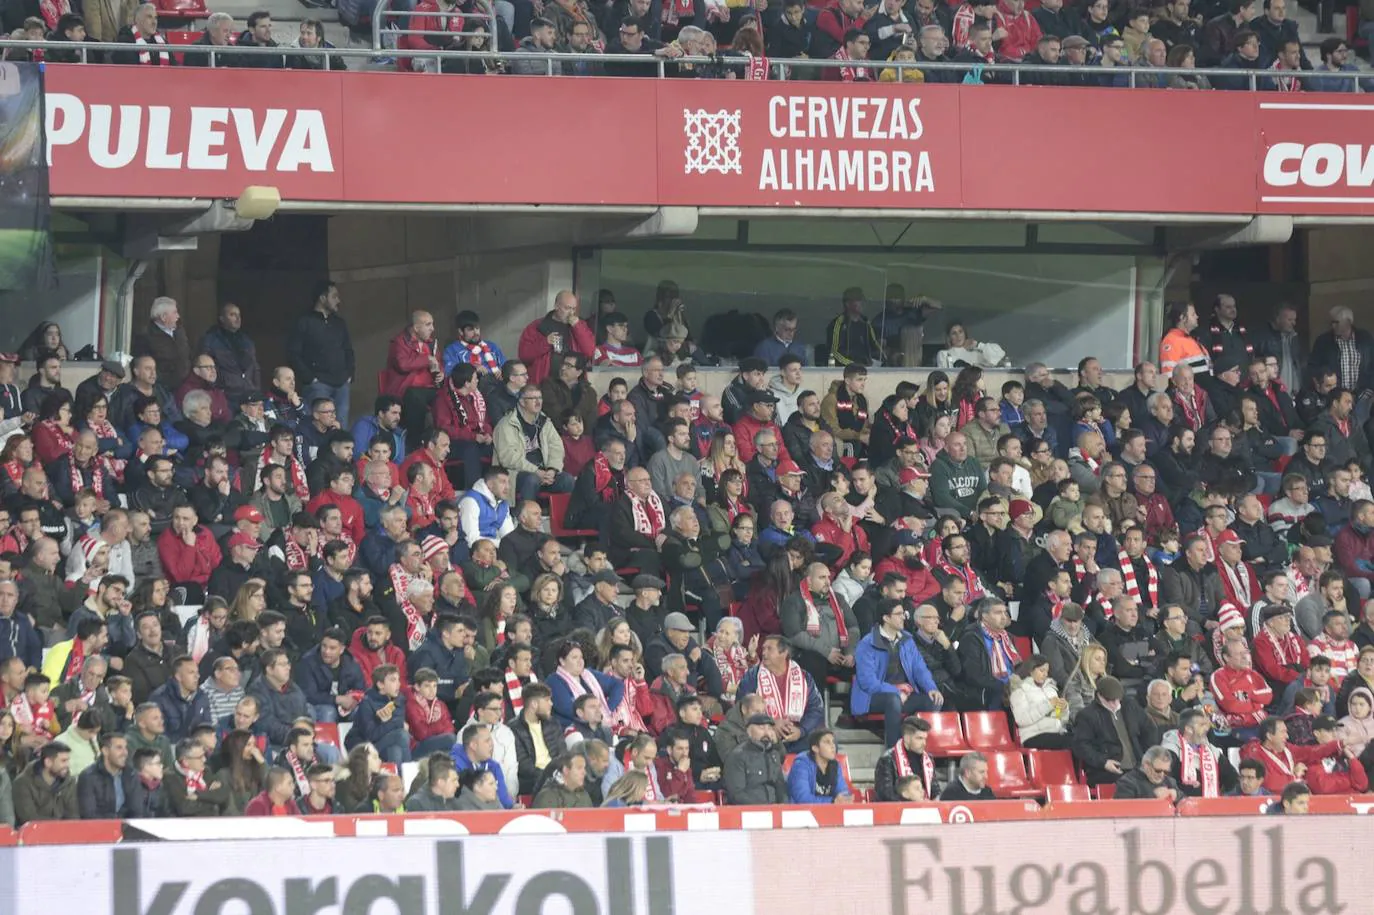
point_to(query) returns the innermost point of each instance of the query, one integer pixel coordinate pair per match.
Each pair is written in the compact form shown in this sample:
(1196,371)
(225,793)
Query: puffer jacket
(1033,708)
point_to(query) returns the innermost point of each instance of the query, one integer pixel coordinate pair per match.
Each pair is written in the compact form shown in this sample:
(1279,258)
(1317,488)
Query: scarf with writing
(415,624)
(298,772)
(460,408)
(813,614)
(783,700)
(1003,652)
(296,558)
(581,686)
(1199,764)
(64,439)
(15,471)
(432,710)
(515,690)
(481,353)
(673,10)
(164,59)
(294,473)
(648,514)
(1128,579)
(758,68)
(733,662)
(52,11)
(903,763)
(198,639)
(850,74)
(325,539)
(1281,84)
(1078,569)
(75,660)
(33,719)
(970,578)
(1056,603)
(625,716)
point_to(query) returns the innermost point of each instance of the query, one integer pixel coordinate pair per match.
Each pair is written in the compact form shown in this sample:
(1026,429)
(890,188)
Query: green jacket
(554,796)
(35,799)
(955,487)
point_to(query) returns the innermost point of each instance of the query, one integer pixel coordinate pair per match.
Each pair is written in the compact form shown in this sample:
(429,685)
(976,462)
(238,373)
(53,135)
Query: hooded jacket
(955,486)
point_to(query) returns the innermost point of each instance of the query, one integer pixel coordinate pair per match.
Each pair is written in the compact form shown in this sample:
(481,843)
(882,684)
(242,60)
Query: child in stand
(81,519)
(1168,549)
(616,391)
(34,714)
(1013,395)
(578,448)
(687,387)
(1066,509)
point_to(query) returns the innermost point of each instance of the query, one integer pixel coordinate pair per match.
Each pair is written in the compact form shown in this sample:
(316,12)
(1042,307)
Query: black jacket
(885,775)
(147,670)
(1198,593)
(524,749)
(702,671)
(450,664)
(95,792)
(1095,740)
(1262,546)
(202,59)
(983,688)
(1134,786)
(753,775)
(320,349)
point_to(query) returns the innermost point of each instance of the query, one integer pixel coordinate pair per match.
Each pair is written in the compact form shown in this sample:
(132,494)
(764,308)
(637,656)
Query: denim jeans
(527,485)
(325,714)
(339,394)
(439,743)
(394,747)
(893,710)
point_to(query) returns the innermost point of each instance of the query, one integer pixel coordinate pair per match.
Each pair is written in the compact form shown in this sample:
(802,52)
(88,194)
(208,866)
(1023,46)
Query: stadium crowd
(220,594)
(1086,43)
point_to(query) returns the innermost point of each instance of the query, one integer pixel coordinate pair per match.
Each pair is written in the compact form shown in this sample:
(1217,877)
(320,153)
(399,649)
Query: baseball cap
(242,539)
(759,720)
(252,397)
(752,397)
(909,475)
(908,538)
(788,467)
(467,319)
(678,622)
(1020,507)
(248,513)
(1228,536)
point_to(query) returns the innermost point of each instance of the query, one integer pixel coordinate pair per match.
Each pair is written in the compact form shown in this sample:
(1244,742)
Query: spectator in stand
(527,442)
(816,776)
(1021,31)
(559,331)
(851,336)
(1354,548)
(321,352)
(165,340)
(413,374)
(150,44)
(833,24)
(259,35)
(1151,779)
(1327,768)
(1111,735)
(1241,693)
(972,783)
(753,770)
(888,30)
(311,36)
(471,348)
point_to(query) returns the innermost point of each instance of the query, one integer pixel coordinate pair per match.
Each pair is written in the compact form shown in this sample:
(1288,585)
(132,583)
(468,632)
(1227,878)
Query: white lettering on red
(806,167)
(204,139)
(1319,165)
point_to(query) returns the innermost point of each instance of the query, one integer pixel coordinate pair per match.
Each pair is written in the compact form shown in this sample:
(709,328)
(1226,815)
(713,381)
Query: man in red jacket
(1355,548)
(371,647)
(560,331)
(1326,768)
(837,528)
(435,454)
(1241,693)
(1022,32)
(413,374)
(189,553)
(758,415)
(921,586)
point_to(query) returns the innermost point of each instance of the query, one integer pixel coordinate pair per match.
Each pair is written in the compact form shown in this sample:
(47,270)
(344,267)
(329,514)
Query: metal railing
(1016,74)
(383,18)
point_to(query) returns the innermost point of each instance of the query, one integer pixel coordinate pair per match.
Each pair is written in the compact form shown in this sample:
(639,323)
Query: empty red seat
(558,508)
(182,9)
(1048,768)
(1059,794)
(328,732)
(1007,776)
(1105,792)
(988,732)
(946,736)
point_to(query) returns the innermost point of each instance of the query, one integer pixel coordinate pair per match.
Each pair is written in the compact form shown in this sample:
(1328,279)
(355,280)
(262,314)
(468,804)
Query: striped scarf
(903,765)
(97,477)
(515,690)
(813,614)
(481,353)
(164,59)
(460,408)
(415,625)
(294,474)
(1128,579)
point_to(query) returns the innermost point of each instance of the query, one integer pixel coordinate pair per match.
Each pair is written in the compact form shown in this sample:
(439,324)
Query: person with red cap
(235,564)
(1242,694)
(913,498)
(1240,583)
(792,489)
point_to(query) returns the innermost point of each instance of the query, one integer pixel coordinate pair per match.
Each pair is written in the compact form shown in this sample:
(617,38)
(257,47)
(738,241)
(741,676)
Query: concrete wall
(1339,272)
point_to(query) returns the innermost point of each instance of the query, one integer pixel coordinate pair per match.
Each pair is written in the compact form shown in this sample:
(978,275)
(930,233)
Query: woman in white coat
(1040,712)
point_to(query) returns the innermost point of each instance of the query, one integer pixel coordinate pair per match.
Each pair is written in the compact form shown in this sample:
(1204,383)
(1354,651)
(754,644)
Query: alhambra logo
(712,141)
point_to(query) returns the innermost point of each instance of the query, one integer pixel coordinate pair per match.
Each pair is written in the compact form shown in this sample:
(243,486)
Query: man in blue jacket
(330,678)
(385,421)
(17,636)
(890,676)
(815,777)
(381,718)
(184,705)
(474,751)
(442,652)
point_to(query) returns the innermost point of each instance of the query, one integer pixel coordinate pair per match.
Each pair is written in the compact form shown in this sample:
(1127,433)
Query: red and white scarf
(1203,762)
(481,353)
(1091,462)
(651,792)
(1239,584)
(164,59)
(673,10)
(625,716)
(783,700)
(515,691)
(850,74)
(1193,405)
(298,772)
(296,558)
(195,781)
(460,407)
(415,624)
(813,614)
(97,478)
(198,639)
(1284,763)
(733,662)
(433,710)
(325,539)
(33,719)
(75,660)
(1288,649)
(757,69)
(15,471)
(1005,660)
(903,763)
(968,576)
(1056,603)
(294,473)
(648,514)
(1285,83)
(1078,569)
(580,686)
(52,11)
(1129,581)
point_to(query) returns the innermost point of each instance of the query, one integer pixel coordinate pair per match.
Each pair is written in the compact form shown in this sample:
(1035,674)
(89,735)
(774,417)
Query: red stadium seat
(946,735)
(988,732)
(181,10)
(1105,792)
(328,732)
(1048,768)
(1058,794)
(1007,776)
(558,508)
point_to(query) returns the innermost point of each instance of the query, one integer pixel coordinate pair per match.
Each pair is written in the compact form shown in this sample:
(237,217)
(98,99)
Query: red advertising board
(394,138)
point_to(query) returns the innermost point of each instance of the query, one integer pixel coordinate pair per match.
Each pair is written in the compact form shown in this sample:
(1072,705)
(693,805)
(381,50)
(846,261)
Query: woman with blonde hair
(1082,686)
(250,601)
(617,632)
(628,790)
(722,455)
